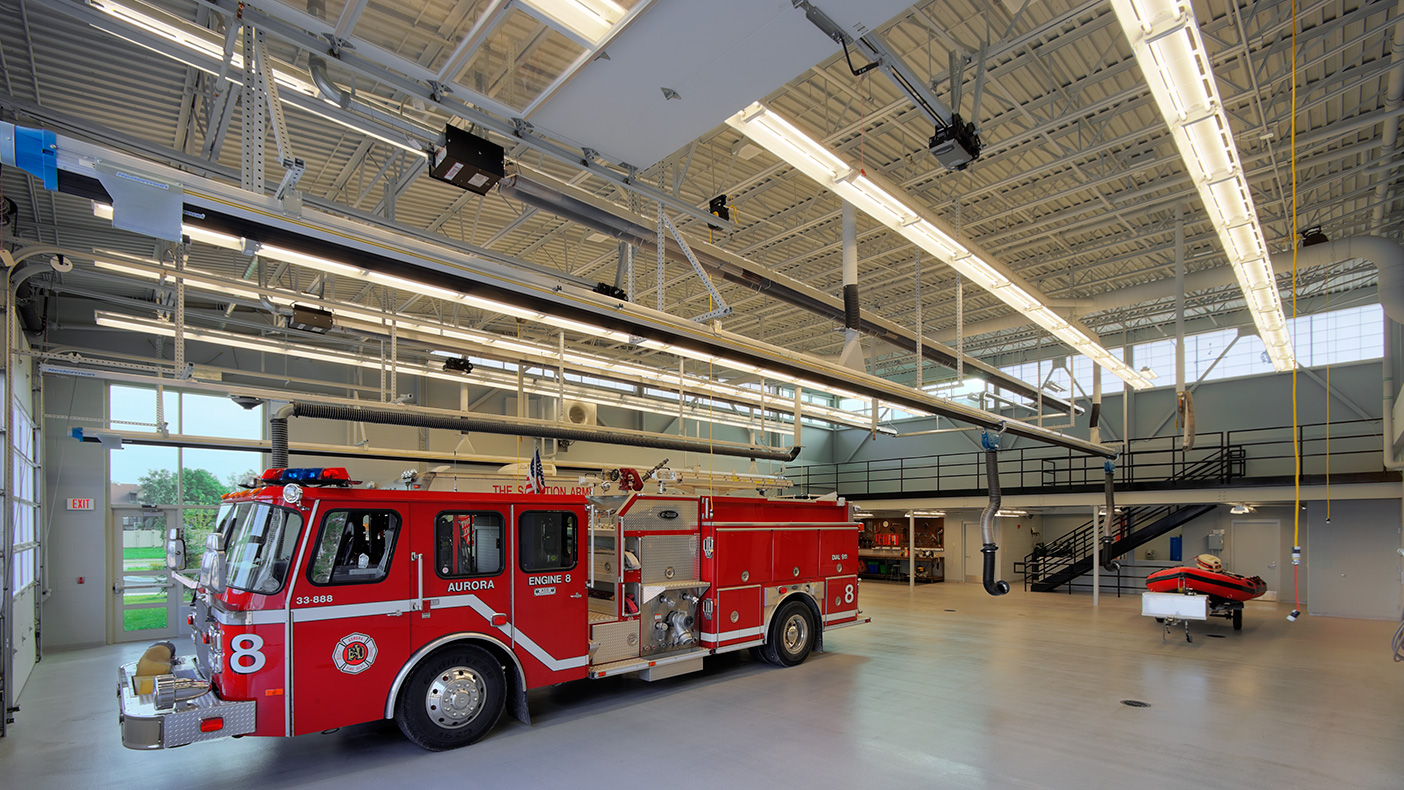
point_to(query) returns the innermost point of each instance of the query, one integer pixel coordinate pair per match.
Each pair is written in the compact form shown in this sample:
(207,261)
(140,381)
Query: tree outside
(202,490)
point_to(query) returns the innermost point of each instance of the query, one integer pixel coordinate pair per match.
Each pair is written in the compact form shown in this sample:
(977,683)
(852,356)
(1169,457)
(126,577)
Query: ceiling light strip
(884,203)
(1164,36)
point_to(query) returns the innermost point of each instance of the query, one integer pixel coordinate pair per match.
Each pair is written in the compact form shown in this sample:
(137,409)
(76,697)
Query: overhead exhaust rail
(568,202)
(543,429)
(330,243)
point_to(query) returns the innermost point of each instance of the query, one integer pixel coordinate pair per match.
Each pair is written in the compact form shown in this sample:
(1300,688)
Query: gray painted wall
(1231,404)
(1356,559)
(75,614)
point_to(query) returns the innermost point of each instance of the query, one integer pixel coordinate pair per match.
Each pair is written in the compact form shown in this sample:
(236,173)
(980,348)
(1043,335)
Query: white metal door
(1257,551)
(973,540)
(144,599)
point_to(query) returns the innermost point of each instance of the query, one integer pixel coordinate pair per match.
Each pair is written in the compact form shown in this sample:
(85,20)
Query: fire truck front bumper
(178,708)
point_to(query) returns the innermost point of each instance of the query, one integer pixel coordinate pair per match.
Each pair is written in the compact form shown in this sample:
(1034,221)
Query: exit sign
(80,504)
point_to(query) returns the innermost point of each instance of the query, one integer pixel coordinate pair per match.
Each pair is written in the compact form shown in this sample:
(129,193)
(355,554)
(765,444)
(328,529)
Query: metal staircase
(1050,566)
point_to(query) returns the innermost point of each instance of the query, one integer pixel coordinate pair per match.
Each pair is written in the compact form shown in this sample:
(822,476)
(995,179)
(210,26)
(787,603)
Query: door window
(468,544)
(548,540)
(355,546)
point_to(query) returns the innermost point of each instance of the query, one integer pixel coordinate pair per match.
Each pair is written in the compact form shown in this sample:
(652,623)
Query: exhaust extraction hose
(278,439)
(540,428)
(987,517)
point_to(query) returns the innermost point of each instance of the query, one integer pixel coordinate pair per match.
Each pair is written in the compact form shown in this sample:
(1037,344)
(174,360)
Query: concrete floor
(947,688)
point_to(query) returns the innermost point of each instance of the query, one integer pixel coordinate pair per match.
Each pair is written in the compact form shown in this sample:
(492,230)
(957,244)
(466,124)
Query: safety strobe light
(330,475)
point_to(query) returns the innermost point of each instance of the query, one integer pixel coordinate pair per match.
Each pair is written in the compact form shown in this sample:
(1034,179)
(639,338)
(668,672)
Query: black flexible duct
(278,435)
(987,518)
(852,316)
(1108,540)
(540,429)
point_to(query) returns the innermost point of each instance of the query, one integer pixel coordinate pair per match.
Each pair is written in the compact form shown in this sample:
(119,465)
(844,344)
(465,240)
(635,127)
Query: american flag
(536,476)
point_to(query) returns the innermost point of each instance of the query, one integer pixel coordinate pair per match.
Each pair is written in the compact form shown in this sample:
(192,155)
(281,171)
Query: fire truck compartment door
(351,617)
(838,551)
(840,599)
(550,617)
(796,554)
(737,618)
(743,557)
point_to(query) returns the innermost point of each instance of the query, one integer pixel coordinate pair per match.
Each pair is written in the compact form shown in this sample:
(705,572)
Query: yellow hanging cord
(1296,442)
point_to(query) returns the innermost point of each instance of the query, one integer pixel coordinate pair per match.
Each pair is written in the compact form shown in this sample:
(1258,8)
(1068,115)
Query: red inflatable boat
(1218,583)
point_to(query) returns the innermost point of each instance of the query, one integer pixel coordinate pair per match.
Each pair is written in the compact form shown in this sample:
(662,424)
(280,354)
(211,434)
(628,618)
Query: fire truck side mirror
(175,550)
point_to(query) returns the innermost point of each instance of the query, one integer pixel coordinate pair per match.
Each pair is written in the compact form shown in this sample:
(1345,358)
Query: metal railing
(1343,448)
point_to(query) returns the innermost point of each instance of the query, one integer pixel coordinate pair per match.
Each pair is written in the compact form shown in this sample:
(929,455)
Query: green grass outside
(143,619)
(151,598)
(147,553)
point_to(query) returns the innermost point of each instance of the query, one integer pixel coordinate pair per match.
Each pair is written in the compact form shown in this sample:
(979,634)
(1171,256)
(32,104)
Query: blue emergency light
(327,476)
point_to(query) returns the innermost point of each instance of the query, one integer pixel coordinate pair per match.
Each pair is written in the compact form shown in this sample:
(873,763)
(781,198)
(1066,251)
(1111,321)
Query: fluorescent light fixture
(1011,513)
(928,513)
(1148,373)
(1240,509)
(885,204)
(224,240)
(591,19)
(1164,36)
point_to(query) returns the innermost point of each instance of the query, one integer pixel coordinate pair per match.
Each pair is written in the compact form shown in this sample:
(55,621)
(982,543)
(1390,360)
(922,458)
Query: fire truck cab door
(550,614)
(350,616)
(462,582)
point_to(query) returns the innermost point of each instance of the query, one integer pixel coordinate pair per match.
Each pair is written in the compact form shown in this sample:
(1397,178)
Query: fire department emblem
(354,654)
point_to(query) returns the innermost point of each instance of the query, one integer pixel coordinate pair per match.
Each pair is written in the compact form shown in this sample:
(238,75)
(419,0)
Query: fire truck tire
(452,699)
(792,635)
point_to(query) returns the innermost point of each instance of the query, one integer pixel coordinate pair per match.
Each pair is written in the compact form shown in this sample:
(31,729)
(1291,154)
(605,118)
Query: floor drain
(1135,703)
(1217,636)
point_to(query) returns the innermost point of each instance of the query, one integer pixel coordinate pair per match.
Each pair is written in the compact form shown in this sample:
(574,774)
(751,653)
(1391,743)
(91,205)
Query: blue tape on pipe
(36,153)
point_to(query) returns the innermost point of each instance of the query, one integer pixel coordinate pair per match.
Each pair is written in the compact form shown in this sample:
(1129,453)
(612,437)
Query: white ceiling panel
(719,56)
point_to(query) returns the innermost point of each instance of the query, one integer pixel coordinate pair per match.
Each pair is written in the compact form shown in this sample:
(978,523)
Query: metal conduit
(534,428)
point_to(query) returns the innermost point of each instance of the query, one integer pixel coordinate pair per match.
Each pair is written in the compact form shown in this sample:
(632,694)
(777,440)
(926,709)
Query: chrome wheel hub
(796,633)
(456,697)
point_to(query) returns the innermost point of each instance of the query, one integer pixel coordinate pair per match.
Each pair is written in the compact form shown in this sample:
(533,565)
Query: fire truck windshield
(260,546)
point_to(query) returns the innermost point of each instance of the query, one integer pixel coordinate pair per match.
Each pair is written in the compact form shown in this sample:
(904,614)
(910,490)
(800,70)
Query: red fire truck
(320,605)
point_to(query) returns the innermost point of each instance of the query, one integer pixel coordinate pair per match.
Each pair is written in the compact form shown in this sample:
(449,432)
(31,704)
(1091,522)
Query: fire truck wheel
(791,635)
(452,699)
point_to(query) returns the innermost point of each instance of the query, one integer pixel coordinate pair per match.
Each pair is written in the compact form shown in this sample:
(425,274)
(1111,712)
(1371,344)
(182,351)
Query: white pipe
(1180,299)
(850,245)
